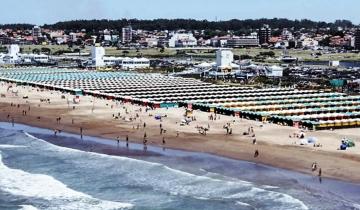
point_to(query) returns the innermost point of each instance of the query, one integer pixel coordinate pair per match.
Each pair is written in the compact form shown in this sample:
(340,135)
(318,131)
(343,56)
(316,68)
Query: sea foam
(44,187)
(162,178)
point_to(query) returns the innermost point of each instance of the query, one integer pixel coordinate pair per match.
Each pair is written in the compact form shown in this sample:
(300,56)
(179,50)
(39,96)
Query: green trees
(36,51)
(45,50)
(210,27)
(268,54)
(125,53)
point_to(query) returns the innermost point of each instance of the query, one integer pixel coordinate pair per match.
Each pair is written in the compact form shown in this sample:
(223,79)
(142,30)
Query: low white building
(98,59)
(134,63)
(34,58)
(182,40)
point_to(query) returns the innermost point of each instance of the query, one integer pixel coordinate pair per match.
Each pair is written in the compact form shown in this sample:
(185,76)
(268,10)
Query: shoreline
(340,165)
(182,149)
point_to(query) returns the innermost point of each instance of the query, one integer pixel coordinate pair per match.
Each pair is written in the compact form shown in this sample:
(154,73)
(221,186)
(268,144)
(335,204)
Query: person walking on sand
(314,166)
(163,140)
(81,132)
(118,140)
(12,122)
(256,154)
(320,172)
(177,133)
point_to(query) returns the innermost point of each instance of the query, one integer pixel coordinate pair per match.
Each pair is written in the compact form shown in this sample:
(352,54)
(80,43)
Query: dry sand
(95,116)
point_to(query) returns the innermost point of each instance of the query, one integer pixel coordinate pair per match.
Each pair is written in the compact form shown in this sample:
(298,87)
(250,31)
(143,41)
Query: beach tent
(350,143)
(311,140)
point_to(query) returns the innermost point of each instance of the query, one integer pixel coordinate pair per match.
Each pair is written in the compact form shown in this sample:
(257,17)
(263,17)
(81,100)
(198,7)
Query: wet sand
(95,116)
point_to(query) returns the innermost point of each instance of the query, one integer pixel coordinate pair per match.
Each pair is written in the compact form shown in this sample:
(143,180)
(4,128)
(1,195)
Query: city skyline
(51,11)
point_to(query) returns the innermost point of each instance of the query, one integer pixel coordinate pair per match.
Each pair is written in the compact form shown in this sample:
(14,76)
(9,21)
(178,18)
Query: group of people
(228,129)
(214,117)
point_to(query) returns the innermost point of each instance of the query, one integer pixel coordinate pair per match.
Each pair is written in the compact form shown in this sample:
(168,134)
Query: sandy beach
(111,119)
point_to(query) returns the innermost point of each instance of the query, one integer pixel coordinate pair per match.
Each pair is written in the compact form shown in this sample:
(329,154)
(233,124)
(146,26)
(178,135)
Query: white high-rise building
(224,58)
(13,54)
(225,61)
(97,56)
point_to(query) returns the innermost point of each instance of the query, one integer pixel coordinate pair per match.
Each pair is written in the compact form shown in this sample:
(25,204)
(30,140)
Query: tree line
(186,24)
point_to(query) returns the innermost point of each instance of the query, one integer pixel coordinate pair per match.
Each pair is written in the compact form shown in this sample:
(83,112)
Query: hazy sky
(51,11)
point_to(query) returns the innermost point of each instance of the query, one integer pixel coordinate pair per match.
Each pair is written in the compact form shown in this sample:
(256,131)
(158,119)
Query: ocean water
(40,171)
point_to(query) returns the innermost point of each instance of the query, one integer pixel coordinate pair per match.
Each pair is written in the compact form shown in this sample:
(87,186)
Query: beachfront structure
(182,40)
(15,57)
(284,106)
(12,56)
(98,59)
(225,61)
(134,63)
(97,56)
(34,58)
(274,71)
